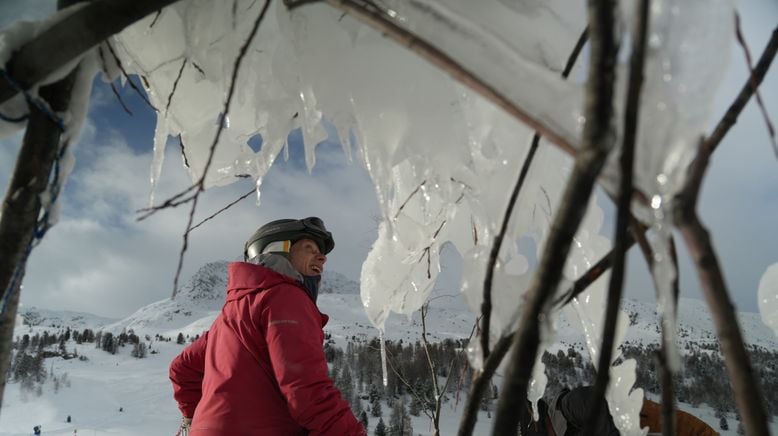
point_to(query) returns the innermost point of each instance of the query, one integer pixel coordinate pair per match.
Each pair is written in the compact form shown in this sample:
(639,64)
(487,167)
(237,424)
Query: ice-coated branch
(623,215)
(486,305)
(596,143)
(192,193)
(127,76)
(757,75)
(22,205)
(748,397)
(71,37)
(373,15)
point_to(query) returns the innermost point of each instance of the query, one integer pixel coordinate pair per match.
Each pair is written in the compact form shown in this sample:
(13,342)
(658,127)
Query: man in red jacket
(260,368)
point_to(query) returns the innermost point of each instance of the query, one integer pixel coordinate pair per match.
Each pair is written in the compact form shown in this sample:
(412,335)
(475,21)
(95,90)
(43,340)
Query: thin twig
(184,246)
(626,164)
(156,17)
(127,76)
(198,187)
(749,64)
(744,383)
(242,197)
(486,305)
(113,87)
(433,372)
(402,206)
(183,149)
(596,143)
(175,85)
(755,79)
(481,382)
(420,397)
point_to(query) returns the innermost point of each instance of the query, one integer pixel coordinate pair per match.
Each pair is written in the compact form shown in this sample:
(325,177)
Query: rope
(32,101)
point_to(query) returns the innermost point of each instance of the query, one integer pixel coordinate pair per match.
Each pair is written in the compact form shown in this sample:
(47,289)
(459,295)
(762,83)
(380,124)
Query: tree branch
(486,305)
(623,214)
(372,15)
(22,204)
(747,393)
(589,161)
(755,79)
(742,41)
(71,37)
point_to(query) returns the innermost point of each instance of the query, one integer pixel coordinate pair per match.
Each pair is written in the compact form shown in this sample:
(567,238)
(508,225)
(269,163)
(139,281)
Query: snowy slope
(102,384)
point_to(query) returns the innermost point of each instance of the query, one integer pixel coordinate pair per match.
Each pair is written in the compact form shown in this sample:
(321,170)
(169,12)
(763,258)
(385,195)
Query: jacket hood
(246,278)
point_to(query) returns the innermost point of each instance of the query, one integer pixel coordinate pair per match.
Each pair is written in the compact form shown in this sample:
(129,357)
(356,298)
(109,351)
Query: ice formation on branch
(442,158)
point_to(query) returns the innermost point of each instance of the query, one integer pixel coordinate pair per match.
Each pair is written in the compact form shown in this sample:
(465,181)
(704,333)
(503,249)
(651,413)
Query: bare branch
(127,76)
(22,205)
(402,206)
(184,246)
(59,44)
(113,87)
(486,305)
(481,382)
(623,214)
(199,187)
(156,17)
(588,163)
(758,74)
(175,85)
(742,40)
(242,197)
(747,393)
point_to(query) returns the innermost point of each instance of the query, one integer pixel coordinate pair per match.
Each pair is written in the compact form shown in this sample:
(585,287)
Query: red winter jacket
(260,369)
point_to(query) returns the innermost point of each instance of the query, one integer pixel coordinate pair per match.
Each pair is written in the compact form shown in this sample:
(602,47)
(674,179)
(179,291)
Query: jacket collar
(247,278)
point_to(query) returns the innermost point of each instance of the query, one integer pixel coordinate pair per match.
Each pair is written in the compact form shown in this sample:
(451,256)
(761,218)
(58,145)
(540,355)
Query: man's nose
(321,257)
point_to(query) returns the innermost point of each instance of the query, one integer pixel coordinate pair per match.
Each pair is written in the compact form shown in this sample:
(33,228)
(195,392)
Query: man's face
(306,258)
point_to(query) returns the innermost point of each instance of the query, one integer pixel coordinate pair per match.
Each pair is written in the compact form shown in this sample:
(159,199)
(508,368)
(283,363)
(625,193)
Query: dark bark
(623,216)
(22,206)
(588,164)
(72,37)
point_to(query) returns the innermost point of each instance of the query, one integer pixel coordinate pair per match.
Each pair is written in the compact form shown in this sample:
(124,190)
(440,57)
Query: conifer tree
(380,428)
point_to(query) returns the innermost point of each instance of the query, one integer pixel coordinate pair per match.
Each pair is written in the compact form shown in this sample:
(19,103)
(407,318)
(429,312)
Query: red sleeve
(292,327)
(186,374)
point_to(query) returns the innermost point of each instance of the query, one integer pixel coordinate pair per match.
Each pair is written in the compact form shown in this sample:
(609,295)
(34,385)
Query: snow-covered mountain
(38,317)
(200,299)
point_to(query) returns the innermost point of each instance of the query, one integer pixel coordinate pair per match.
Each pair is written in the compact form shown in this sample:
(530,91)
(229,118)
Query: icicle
(383,358)
(160,141)
(664,274)
(768,297)
(258,191)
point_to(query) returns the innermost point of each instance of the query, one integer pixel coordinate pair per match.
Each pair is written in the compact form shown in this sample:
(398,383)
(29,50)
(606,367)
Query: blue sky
(99,259)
